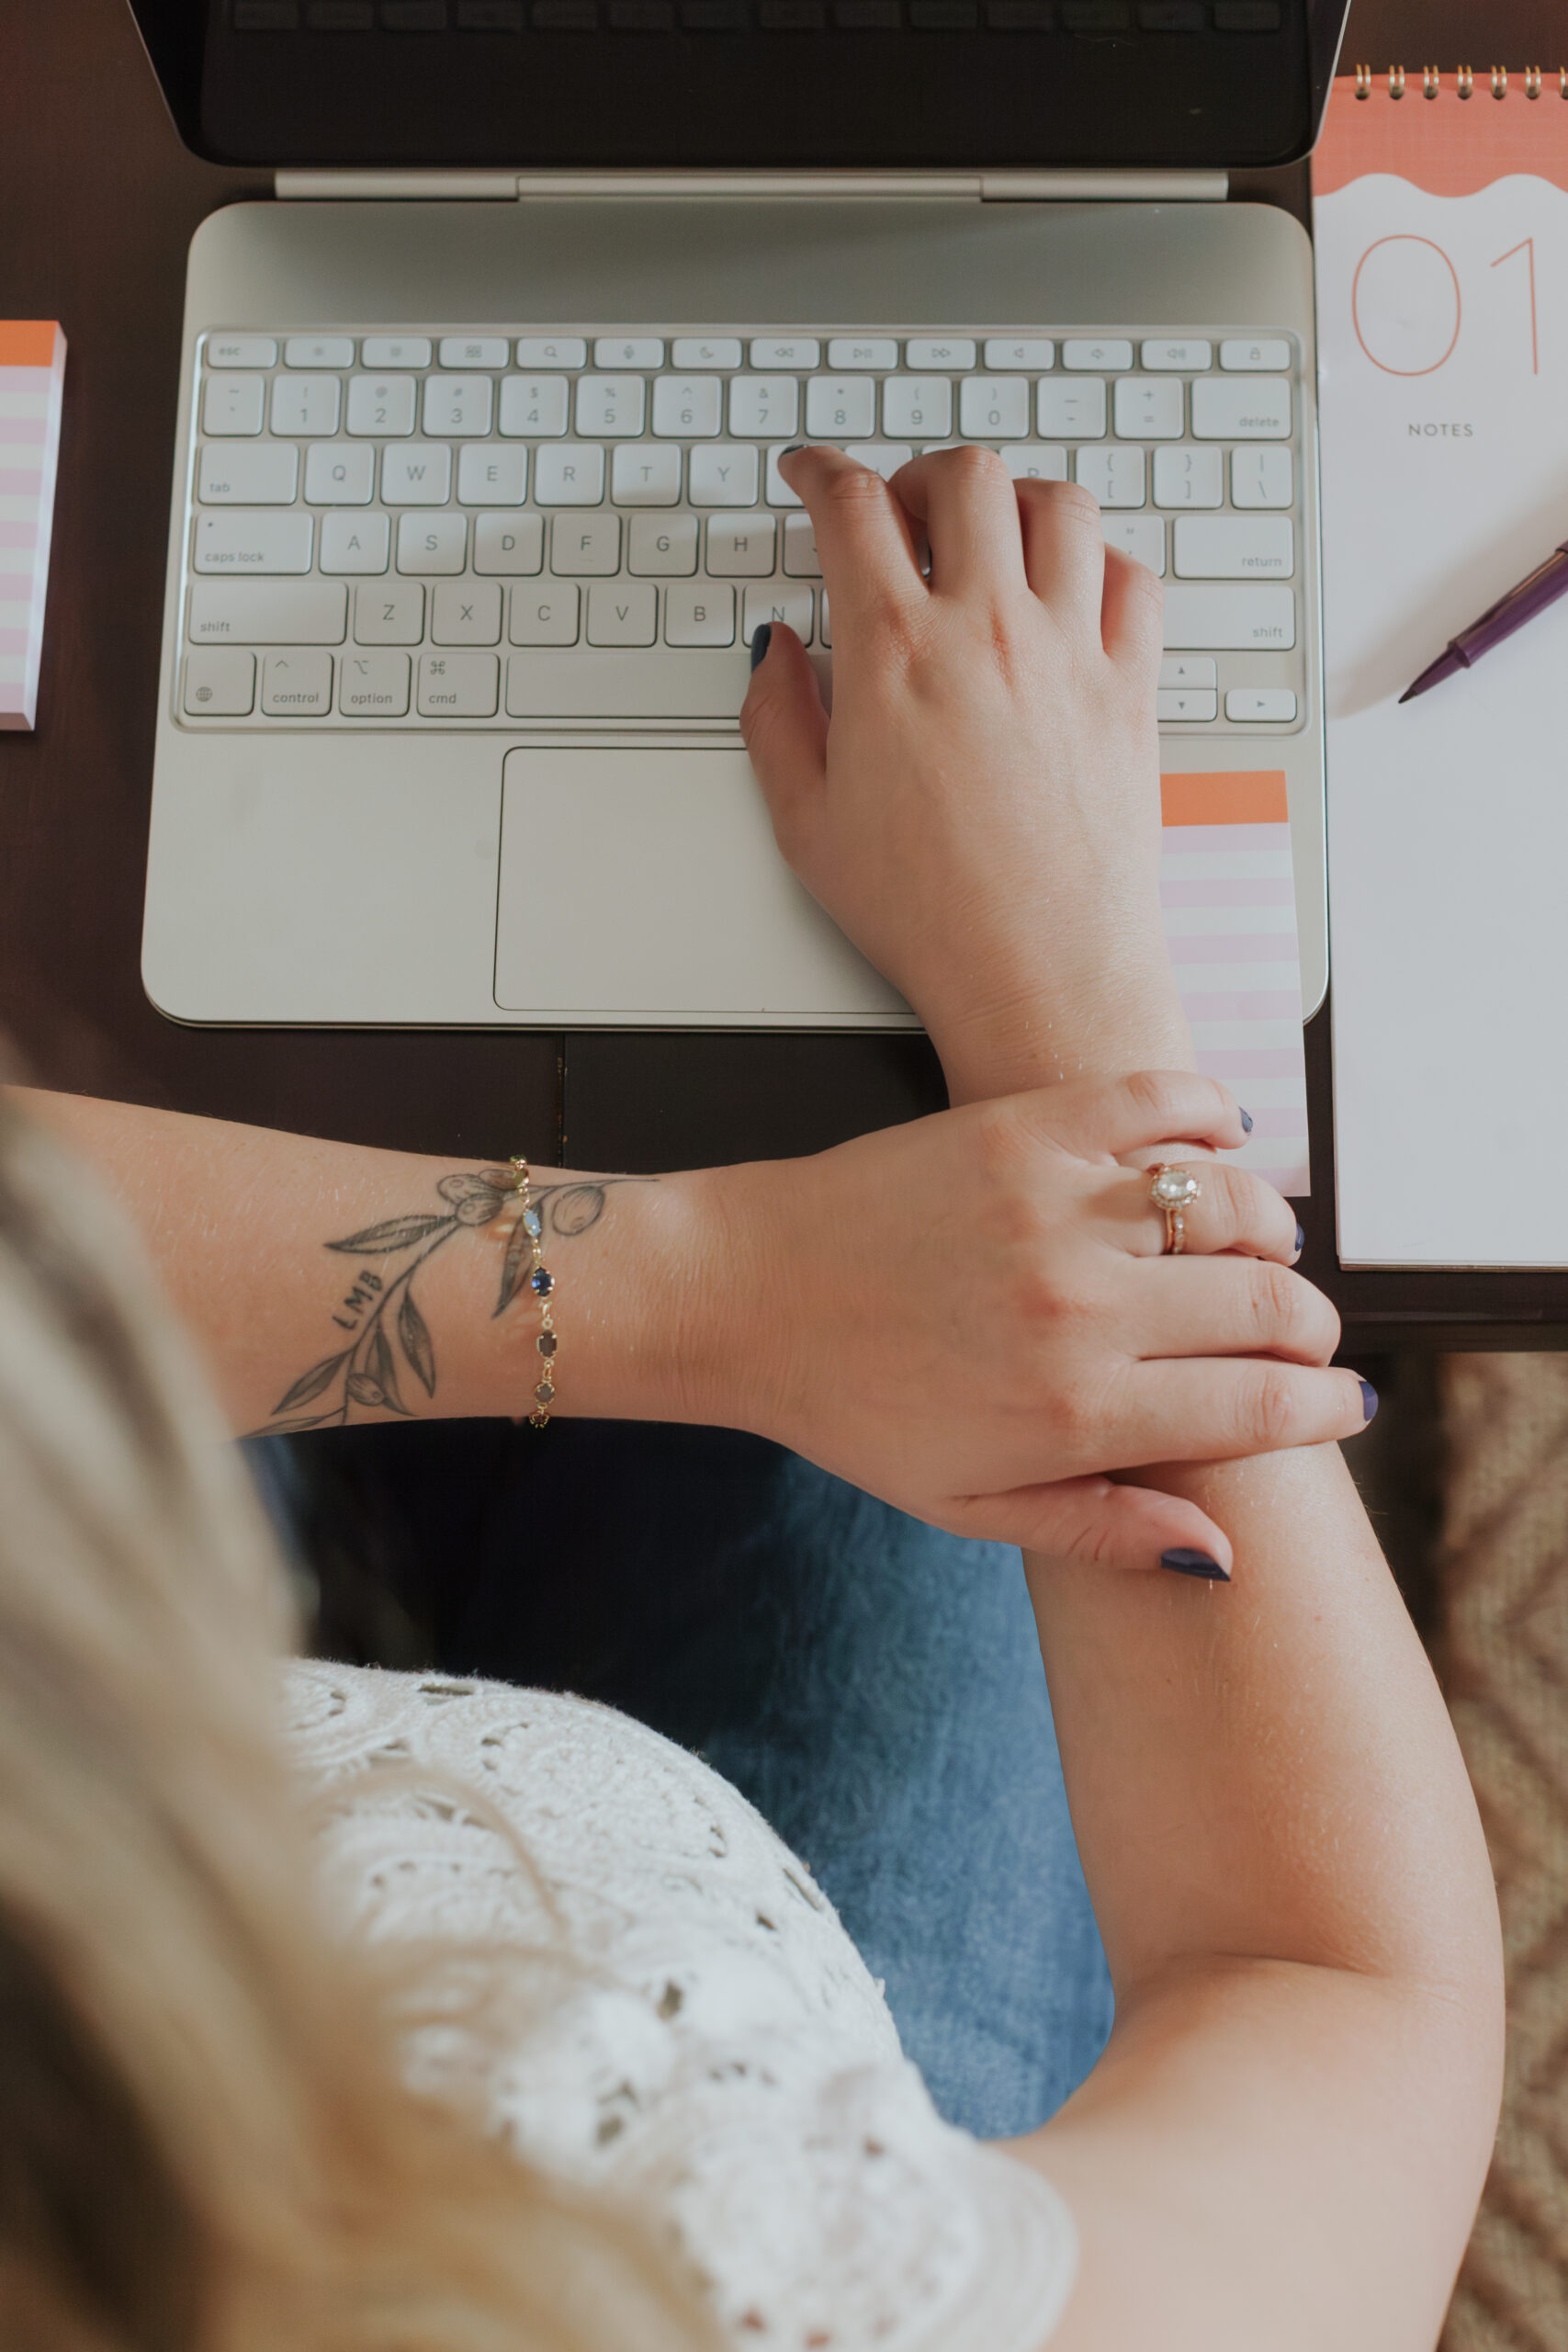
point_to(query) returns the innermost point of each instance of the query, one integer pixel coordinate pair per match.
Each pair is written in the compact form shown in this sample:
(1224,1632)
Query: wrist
(1128,1022)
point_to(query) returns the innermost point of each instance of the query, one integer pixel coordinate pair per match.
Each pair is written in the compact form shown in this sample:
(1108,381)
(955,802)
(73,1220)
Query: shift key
(245,540)
(265,612)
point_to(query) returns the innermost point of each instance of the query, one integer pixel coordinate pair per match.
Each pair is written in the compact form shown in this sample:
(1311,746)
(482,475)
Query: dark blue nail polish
(759,643)
(1194,1564)
(1300,1237)
(1369,1398)
(790,447)
(1246,1121)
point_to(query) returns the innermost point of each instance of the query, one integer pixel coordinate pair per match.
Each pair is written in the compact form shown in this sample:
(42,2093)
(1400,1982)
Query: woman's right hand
(971,1315)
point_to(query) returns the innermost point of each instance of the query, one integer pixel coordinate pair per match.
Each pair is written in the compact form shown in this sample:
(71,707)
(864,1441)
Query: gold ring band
(1173,1191)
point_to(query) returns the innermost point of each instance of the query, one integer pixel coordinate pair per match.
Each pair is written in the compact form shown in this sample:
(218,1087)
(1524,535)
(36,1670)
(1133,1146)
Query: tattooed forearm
(389,1337)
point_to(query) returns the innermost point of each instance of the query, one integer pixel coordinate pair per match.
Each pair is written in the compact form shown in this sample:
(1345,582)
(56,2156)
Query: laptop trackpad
(642,884)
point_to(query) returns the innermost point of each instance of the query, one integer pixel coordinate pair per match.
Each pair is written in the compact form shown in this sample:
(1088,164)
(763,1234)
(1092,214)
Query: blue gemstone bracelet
(541,1282)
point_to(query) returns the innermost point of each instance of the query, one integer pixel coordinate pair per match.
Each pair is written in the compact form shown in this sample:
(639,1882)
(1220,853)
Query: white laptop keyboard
(438,530)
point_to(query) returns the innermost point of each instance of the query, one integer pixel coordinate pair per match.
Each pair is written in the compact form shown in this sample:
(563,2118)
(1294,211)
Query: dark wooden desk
(98,204)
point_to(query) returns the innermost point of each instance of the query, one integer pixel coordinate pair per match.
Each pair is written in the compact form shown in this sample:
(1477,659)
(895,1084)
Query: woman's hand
(981,814)
(970,1317)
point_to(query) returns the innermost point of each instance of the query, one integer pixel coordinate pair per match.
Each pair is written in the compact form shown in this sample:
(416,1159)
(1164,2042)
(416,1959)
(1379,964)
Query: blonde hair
(206,2143)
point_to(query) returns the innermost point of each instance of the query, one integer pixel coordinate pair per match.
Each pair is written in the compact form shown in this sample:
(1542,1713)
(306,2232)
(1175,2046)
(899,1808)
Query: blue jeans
(871,1685)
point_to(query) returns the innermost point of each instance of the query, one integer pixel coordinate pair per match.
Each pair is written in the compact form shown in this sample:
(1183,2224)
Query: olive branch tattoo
(366,1373)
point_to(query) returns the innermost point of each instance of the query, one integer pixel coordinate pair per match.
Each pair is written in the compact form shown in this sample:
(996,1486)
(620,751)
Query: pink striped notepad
(1230,924)
(32,380)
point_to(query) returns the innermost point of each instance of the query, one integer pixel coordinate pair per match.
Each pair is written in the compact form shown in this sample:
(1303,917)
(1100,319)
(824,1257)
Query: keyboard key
(779,492)
(1140,535)
(239,351)
(381,404)
(1270,706)
(570,473)
(611,404)
(1019,351)
(509,543)
(373,685)
(606,684)
(699,351)
(458,404)
(1262,477)
(688,407)
(491,477)
(264,475)
(432,542)
(662,547)
(703,614)
(297,685)
(466,611)
(883,457)
(306,612)
(1115,475)
(1187,358)
(1207,619)
(994,408)
(319,351)
(585,543)
(464,351)
(457,685)
(643,474)
(1243,409)
(871,351)
(233,404)
(791,351)
(1077,410)
(622,612)
(419,474)
(355,542)
(1195,705)
(1035,461)
(919,408)
(765,406)
(339,474)
(534,405)
(546,616)
(723,475)
(780,601)
(629,351)
(1188,669)
(742,547)
(841,408)
(552,351)
(1076,352)
(1149,409)
(395,351)
(221,681)
(392,615)
(247,541)
(1235,547)
(1189,477)
(923,352)
(1265,356)
(801,561)
(306,405)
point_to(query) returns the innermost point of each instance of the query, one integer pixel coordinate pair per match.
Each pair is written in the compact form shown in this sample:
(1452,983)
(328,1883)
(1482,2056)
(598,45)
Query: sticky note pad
(1229,901)
(32,380)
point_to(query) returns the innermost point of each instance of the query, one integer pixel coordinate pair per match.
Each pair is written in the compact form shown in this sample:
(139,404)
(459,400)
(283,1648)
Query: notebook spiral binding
(1464,81)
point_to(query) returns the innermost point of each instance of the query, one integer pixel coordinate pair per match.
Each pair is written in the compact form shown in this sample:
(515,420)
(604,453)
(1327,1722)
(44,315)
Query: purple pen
(1544,585)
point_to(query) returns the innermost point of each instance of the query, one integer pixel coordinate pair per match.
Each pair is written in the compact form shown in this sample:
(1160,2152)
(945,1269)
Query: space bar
(627,686)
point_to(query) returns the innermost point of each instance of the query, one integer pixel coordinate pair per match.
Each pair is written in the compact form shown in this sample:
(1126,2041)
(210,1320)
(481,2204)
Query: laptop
(477,504)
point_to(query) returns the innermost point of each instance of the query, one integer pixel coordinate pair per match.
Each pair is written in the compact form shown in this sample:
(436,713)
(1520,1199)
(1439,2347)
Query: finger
(1095,1519)
(864,542)
(786,731)
(1232,1211)
(1132,614)
(1101,1118)
(965,500)
(1063,547)
(1217,1411)
(1226,1306)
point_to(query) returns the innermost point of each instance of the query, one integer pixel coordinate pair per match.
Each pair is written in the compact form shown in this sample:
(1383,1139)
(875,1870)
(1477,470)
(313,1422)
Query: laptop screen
(739,84)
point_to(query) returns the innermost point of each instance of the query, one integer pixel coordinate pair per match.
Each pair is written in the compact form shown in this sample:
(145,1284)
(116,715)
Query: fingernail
(1194,1564)
(759,643)
(1300,1237)
(1245,1120)
(1369,1398)
(790,447)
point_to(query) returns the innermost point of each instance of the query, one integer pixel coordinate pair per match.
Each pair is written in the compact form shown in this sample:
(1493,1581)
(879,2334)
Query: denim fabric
(873,1685)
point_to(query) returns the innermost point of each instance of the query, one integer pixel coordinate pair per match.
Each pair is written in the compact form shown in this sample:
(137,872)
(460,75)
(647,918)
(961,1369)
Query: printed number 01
(1406,306)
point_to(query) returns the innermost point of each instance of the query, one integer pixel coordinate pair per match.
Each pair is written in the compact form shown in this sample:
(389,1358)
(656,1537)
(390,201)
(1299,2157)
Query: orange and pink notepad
(32,379)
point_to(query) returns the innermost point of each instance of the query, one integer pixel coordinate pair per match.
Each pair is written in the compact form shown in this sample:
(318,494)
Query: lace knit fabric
(720,2053)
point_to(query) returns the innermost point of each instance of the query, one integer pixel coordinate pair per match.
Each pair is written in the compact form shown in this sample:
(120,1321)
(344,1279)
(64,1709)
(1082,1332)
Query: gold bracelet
(541,1282)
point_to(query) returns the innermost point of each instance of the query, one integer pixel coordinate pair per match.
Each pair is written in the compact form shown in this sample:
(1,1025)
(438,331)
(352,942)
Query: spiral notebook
(1441,232)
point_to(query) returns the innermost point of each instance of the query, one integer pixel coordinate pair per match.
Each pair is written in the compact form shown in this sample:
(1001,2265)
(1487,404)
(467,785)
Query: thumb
(1096,1519)
(785,730)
